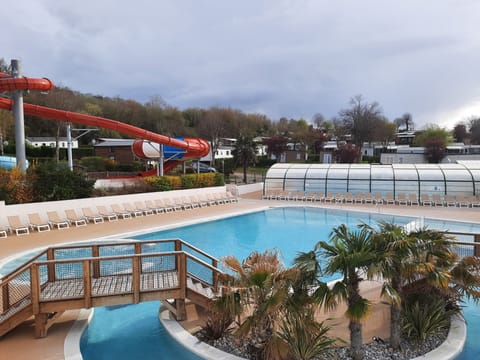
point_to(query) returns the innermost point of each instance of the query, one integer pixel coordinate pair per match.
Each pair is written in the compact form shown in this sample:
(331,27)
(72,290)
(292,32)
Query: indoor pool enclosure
(455,179)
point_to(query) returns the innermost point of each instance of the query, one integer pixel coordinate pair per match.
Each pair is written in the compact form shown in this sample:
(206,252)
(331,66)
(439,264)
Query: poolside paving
(20,343)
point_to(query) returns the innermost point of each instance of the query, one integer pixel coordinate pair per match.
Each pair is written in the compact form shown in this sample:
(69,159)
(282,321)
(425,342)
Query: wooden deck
(108,285)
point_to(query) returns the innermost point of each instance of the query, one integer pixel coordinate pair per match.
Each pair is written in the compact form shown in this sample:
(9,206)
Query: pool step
(200,288)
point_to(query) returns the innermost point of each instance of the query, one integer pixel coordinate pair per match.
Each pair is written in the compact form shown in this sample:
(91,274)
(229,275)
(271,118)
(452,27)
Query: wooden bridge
(105,274)
(121,272)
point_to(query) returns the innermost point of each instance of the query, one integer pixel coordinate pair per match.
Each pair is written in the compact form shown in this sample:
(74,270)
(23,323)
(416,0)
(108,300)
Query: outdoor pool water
(134,331)
(122,332)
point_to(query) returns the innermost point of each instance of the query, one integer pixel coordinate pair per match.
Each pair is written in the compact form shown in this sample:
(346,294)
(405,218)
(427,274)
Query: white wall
(41,208)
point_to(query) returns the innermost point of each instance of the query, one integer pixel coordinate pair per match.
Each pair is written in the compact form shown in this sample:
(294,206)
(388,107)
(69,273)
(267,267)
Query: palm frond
(359,310)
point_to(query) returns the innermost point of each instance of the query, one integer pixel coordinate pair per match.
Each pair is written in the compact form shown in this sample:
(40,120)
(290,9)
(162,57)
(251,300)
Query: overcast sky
(275,57)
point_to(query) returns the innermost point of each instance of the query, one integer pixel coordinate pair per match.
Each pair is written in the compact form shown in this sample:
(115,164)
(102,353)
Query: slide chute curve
(188,148)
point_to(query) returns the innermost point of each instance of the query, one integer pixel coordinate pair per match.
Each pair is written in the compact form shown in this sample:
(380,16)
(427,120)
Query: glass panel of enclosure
(432,180)
(337,179)
(476,176)
(316,178)
(406,179)
(457,174)
(295,178)
(456,188)
(382,179)
(359,179)
(273,184)
(275,177)
(458,180)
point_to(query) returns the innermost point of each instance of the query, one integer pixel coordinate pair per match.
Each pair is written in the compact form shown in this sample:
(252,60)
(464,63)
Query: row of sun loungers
(376,198)
(117,211)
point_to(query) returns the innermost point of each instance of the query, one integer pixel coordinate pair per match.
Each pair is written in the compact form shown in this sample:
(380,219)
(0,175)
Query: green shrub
(421,319)
(219,179)
(188,181)
(97,163)
(158,183)
(52,181)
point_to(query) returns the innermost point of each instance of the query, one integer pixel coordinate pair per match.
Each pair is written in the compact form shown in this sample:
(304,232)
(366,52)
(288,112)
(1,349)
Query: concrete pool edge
(71,346)
(190,342)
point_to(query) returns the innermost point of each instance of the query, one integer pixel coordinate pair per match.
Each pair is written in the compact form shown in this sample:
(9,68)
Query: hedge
(187,181)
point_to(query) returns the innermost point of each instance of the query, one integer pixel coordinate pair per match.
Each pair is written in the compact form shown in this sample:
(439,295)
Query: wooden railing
(465,244)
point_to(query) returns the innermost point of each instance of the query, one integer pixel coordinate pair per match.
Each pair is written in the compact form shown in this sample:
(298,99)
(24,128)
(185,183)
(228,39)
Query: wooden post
(181,310)
(136,273)
(41,325)
(5,297)
(51,266)
(138,247)
(96,263)
(87,283)
(182,283)
(35,288)
(215,275)
(476,247)
(177,247)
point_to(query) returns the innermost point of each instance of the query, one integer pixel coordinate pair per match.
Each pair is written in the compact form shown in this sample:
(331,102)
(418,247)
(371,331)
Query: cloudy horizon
(281,58)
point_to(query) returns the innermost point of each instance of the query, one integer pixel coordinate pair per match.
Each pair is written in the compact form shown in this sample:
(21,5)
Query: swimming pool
(134,331)
(290,230)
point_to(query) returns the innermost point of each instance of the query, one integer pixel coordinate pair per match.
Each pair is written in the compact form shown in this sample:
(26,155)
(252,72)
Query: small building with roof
(119,150)
(49,141)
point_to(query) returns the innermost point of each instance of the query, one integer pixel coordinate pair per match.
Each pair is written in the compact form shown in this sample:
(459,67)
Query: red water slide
(187,148)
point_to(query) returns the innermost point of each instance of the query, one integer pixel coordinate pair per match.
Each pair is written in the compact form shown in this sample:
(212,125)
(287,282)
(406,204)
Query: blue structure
(9,162)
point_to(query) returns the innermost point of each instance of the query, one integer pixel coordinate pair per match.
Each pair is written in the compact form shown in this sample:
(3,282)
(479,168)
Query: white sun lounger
(55,220)
(36,223)
(73,218)
(91,216)
(15,224)
(110,216)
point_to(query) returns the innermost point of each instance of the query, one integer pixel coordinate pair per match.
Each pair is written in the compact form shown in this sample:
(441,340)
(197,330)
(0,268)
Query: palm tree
(420,258)
(263,285)
(245,153)
(443,269)
(395,263)
(348,254)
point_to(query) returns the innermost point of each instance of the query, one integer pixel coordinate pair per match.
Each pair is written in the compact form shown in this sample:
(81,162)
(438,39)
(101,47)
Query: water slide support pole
(161,158)
(69,146)
(17,110)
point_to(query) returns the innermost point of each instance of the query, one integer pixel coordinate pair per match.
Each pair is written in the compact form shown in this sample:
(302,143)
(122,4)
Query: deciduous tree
(435,140)
(360,119)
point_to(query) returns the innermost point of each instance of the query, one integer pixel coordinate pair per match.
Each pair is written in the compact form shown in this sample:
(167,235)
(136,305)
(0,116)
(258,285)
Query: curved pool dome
(462,178)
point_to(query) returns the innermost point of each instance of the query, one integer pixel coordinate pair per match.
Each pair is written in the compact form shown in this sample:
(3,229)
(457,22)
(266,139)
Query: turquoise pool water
(134,331)
(130,332)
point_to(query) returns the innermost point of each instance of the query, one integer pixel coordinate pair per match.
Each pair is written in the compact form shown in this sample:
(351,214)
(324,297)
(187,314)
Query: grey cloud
(280,57)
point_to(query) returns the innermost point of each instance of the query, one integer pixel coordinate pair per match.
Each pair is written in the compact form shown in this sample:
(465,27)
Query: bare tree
(318,120)
(404,123)
(474,123)
(360,119)
(212,128)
